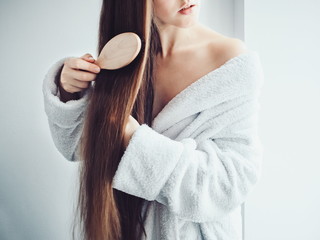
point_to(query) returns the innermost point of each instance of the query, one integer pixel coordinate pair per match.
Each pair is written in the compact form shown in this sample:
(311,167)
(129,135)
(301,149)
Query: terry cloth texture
(199,159)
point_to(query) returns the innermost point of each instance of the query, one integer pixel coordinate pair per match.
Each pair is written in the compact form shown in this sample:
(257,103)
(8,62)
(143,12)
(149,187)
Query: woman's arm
(65,115)
(197,181)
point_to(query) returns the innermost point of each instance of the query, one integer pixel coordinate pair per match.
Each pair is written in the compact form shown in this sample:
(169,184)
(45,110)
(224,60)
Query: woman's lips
(188,10)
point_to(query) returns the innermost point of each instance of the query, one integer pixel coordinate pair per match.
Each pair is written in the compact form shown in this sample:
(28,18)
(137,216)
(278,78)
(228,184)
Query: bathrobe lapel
(209,91)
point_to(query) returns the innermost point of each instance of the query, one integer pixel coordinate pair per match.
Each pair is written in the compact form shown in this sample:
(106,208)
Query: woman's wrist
(67,96)
(63,95)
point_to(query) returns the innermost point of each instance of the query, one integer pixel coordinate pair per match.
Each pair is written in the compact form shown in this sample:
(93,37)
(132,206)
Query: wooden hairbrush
(119,51)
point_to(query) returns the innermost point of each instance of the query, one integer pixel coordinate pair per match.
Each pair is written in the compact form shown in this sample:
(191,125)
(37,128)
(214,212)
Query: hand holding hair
(77,73)
(131,127)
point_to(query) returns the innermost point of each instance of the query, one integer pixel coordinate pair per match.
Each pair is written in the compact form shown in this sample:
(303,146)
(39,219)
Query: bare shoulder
(221,47)
(233,47)
(227,48)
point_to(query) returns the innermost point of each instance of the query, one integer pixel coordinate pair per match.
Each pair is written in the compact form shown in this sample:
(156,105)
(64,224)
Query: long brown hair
(107,213)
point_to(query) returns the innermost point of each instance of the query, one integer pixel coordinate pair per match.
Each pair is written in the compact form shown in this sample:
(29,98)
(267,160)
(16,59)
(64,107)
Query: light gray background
(286,203)
(38,186)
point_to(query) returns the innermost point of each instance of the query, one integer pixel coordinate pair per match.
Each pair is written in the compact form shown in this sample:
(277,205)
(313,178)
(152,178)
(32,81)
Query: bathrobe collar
(202,93)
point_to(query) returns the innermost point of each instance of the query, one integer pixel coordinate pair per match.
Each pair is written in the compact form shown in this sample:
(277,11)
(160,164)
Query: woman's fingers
(81,64)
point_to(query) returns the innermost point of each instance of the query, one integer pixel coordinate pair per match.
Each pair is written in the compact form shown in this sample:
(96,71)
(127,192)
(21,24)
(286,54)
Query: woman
(169,143)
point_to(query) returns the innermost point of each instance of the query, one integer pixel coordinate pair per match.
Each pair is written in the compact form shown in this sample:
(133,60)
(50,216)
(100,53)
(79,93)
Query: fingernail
(90,58)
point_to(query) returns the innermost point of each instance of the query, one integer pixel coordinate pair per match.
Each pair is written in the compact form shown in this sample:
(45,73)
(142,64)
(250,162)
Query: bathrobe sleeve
(65,119)
(200,179)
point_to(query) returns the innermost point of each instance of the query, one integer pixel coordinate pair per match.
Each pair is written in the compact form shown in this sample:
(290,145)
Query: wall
(285,203)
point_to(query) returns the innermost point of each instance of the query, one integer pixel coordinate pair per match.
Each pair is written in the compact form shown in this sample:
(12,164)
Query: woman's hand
(131,127)
(77,73)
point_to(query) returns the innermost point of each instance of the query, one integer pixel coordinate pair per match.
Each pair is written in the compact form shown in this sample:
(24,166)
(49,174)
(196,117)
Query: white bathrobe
(199,159)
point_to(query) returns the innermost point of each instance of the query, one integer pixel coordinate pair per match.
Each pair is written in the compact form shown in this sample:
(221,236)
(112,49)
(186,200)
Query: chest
(173,77)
